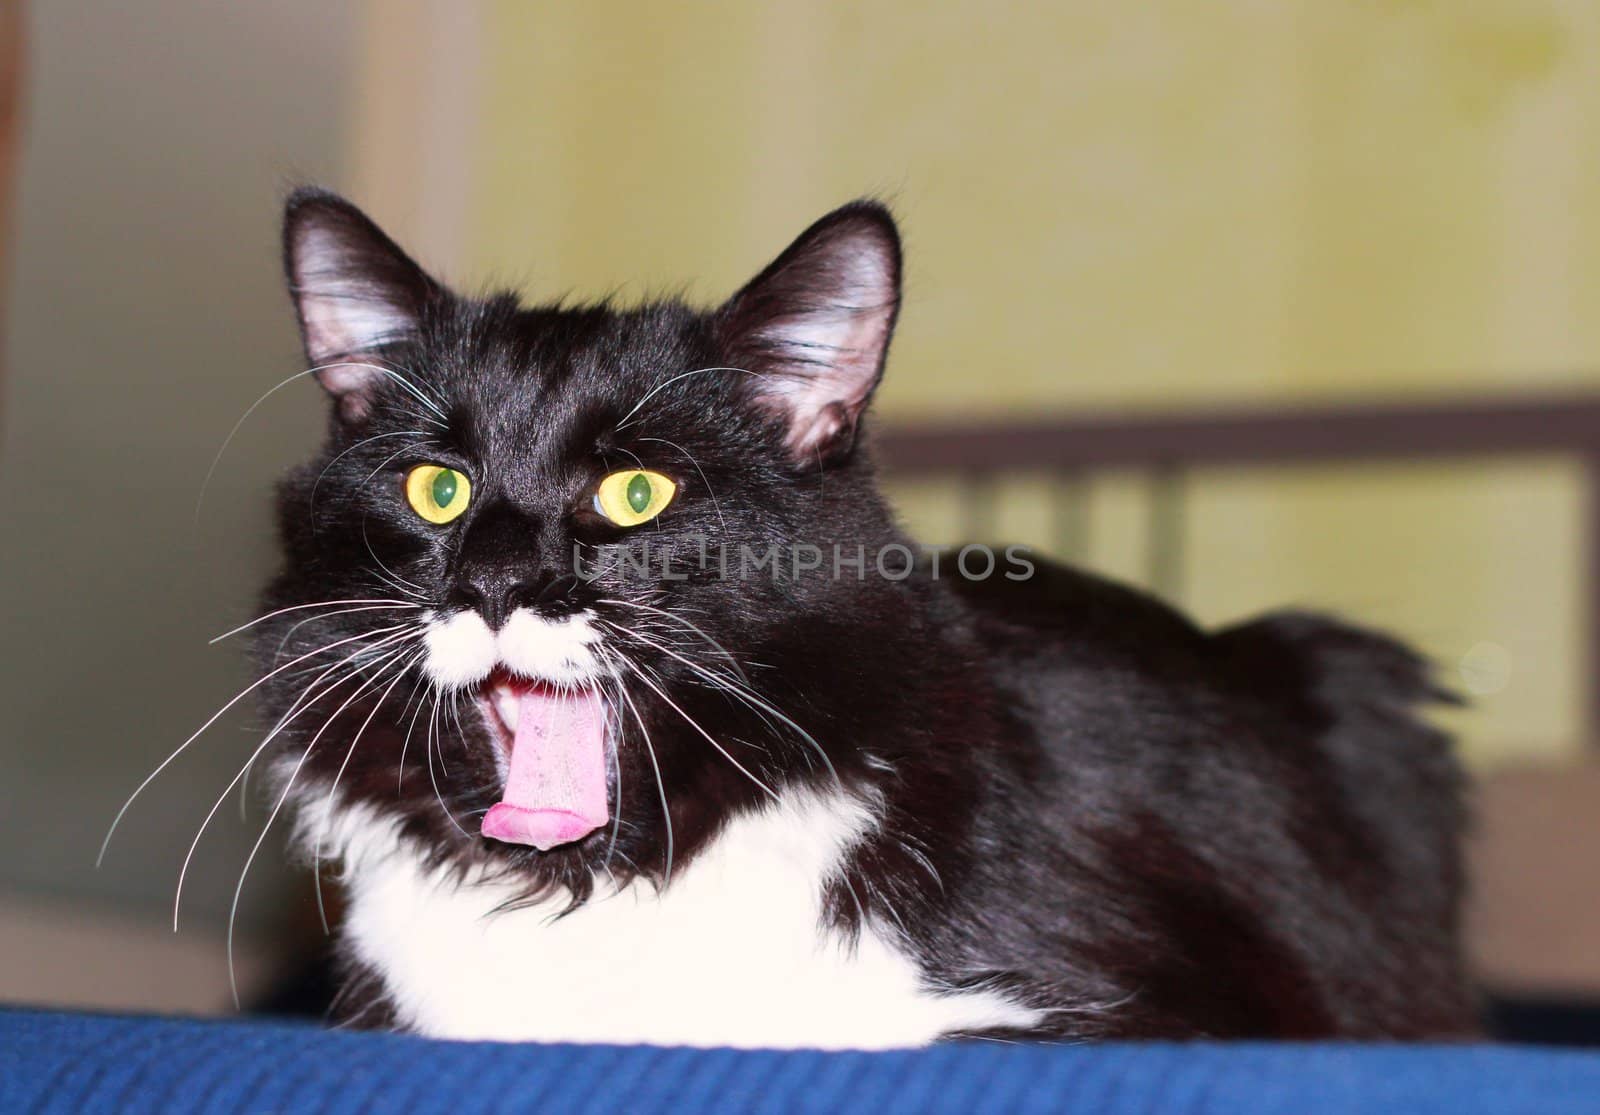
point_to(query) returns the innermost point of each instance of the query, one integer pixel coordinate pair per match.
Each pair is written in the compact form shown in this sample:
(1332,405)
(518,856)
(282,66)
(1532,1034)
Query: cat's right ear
(814,329)
(355,292)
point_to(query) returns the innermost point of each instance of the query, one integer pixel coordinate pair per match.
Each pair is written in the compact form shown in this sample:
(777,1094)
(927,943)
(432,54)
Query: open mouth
(554,741)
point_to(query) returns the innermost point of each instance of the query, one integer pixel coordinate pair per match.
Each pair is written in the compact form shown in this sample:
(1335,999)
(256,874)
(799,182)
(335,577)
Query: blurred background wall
(1107,206)
(1135,205)
(145,314)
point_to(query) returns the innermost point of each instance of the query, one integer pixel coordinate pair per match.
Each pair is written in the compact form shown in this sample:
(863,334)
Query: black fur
(1143,828)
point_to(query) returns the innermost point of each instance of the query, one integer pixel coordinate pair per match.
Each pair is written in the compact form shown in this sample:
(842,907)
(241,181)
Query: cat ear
(814,327)
(355,291)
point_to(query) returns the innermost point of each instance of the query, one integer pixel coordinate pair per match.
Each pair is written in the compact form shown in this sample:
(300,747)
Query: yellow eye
(633,496)
(437,493)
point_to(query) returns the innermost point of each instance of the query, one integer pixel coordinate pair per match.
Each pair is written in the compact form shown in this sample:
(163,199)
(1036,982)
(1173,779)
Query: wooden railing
(1168,446)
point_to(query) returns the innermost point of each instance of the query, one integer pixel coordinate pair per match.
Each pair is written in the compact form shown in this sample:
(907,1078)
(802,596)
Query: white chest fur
(731,953)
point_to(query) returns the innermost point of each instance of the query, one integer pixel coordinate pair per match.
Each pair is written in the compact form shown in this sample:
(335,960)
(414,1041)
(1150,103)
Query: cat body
(736,952)
(775,783)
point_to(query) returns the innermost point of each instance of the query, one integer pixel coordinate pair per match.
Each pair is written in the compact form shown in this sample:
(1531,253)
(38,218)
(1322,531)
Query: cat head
(568,584)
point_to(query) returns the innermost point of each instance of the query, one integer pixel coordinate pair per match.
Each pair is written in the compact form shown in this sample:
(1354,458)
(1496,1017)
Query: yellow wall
(1119,205)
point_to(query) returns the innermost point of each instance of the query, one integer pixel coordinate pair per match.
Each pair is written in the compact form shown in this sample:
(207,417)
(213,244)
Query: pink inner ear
(809,435)
(824,367)
(347,375)
(815,326)
(344,309)
(351,383)
(825,360)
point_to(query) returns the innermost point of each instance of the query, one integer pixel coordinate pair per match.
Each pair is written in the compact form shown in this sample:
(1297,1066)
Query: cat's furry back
(846,808)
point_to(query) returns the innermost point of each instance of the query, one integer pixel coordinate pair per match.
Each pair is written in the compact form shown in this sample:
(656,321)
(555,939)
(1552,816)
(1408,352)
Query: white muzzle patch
(461,650)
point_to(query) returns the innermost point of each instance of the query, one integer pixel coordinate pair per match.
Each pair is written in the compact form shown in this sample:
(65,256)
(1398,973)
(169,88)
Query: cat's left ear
(814,328)
(356,293)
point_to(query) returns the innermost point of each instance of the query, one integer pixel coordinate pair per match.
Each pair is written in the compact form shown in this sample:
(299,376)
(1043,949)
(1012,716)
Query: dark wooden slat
(1070,516)
(1165,538)
(1281,436)
(1555,423)
(978,495)
(1589,657)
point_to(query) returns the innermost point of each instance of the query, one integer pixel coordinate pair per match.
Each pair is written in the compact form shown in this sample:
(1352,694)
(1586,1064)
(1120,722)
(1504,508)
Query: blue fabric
(81,1063)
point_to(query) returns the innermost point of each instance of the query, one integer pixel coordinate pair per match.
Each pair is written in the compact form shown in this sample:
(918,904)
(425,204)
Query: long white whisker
(661,786)
(715,679)
(616,807)
(288,635)
(233,909)
(702,473)
(151,777)
(400,776)
(676,618)
(316,849)
(437,735)
(741,691)
(721,682)
(624,420)
(375,604)
(243,418)
(406,587)
(433,724)
(707,735)
(383,464)
(300,705)
(312,510)
(404,382)
(455,715)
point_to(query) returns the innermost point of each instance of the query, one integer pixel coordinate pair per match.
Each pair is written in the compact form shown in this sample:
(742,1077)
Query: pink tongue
(556,791)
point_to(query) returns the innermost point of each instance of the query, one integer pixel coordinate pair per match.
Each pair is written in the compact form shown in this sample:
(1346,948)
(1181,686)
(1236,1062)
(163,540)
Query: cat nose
(495,593)
(508,561)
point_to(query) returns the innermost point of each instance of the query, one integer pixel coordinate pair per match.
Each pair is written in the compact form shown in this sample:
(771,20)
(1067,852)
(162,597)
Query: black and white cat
(730,794)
